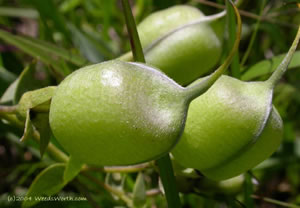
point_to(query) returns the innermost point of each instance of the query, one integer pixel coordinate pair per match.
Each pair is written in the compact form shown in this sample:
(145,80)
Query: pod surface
(117,113)
(230,129)
(185,54)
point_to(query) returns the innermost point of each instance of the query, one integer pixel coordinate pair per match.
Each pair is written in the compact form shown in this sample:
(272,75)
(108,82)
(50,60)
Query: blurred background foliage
(55,37)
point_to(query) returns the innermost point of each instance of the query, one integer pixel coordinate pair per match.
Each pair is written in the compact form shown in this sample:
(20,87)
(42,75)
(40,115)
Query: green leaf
(69,5)
(41,123)
(28,81)
(45,47)
(268,66)
(34,99)
(9,94)
(19,12)
(72,170)
(32,49)
(56,51)
(48,182)
(29,129)
(6,78)
(50,15)
(85,46)
(139,191)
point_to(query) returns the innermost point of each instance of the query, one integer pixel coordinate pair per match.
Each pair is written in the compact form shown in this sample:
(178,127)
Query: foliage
(41,42)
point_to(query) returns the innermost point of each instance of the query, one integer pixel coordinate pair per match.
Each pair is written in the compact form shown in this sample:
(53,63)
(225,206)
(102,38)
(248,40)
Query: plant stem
(153,192)
(253,36)
(12,119)
(55,153)
(136,46)
(235,65)
(168,181)
(119,169)
(274,201)
(82,189)
(248,190)
(249,14)
(281,69)
(108,188)
(8,109)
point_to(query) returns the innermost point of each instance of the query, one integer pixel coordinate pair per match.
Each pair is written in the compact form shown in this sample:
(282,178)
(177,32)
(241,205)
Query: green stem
(82,189)
(53,151)
(168,180)
(249,14)
(201,86)
(110,189)
(8,109)
(153,192)
(249,48)
(274,201)
(235,66)
(133,34)
(12,119)
(119,169)
(248,191)
(281,69)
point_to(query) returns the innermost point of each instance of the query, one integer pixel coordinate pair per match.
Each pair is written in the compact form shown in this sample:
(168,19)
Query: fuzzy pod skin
(230,129)
(117,113)
(185,54)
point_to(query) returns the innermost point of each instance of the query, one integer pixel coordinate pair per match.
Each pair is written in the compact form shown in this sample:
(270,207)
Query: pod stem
(201,86)
(281,69)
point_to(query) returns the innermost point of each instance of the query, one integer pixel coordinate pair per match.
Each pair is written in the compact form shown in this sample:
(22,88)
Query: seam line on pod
(266,118)
(258,133)
(200,20)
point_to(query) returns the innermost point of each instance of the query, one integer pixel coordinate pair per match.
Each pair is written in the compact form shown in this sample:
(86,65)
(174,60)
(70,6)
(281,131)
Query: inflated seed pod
(233,126)
(123,113)
(181,42)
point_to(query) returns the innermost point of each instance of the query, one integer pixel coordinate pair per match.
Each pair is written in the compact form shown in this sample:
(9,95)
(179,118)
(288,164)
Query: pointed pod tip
(281,69)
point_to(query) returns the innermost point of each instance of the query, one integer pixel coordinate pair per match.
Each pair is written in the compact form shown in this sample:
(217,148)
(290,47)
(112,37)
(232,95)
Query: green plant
(181,42)
(118,105)
(69,30)
(234,124)
(131,107)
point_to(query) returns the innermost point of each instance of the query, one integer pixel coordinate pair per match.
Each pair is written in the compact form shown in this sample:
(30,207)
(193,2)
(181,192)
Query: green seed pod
(181,42)
(232,127)
(115,105)
(227,126)
(118,113)
(229,187)
(123,113)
